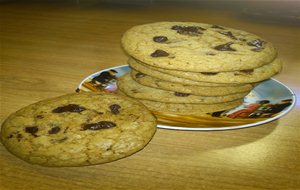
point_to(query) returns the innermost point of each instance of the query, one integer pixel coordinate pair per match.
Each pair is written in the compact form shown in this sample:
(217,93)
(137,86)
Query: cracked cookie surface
(78,129)
(197,47)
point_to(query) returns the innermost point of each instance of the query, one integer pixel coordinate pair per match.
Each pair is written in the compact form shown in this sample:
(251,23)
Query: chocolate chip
(32,130)
(257,43)
(181,94)
(217,26)
(242,39)
(19,137)
(188,30)
(229,34)
(225,47)
(54,130)
(69,108)
(114,108)
(39,116)
(208,73)
(139,75)
(160,39)
(10,136)
(77,90)
(176,27)
(99,125)
(247,71)
(159,53)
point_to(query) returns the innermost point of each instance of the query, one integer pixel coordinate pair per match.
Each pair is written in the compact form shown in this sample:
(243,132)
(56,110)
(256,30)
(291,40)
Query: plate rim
(161,126)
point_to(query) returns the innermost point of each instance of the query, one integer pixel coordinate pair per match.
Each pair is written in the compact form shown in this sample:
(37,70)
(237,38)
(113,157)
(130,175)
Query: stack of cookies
(194,68)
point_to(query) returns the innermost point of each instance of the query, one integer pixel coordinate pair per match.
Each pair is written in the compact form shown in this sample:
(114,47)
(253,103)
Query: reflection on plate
(268,101)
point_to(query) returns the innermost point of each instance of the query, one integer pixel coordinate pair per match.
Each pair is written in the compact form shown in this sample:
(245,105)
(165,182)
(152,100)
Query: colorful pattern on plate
(266,102)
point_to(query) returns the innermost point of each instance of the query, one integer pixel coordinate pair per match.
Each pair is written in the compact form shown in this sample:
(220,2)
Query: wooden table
(48,48)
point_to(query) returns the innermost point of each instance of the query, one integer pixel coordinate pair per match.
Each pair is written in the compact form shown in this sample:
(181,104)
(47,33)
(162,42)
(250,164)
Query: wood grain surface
(47,48)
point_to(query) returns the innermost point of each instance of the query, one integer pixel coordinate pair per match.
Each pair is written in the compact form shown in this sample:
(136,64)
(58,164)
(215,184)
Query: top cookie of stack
(197,47)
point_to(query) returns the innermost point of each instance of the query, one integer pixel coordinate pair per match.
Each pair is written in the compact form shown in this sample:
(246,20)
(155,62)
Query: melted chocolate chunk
(159,53)
(160,39)
(181,94)
(54,130)
(225,47)
(32,130)
(188,30)
(208,73)
(217,26)
(229,34)
(139,75)
(114,108)
(69,108)
(257,43)
(99,125)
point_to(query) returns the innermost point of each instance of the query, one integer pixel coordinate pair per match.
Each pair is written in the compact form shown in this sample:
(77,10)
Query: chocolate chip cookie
(78,129)
(189,109)
(197,47)
(137,65)
(147,80)
(135,90)
(230,77)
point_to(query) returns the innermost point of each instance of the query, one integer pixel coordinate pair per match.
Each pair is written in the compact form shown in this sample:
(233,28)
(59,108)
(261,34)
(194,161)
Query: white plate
(268,101)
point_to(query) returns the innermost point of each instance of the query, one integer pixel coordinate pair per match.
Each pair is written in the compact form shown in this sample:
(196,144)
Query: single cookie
(137,65)
(78,129)
(197,47)
(243,76)
(135,90)
(147,80)
(189,109)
